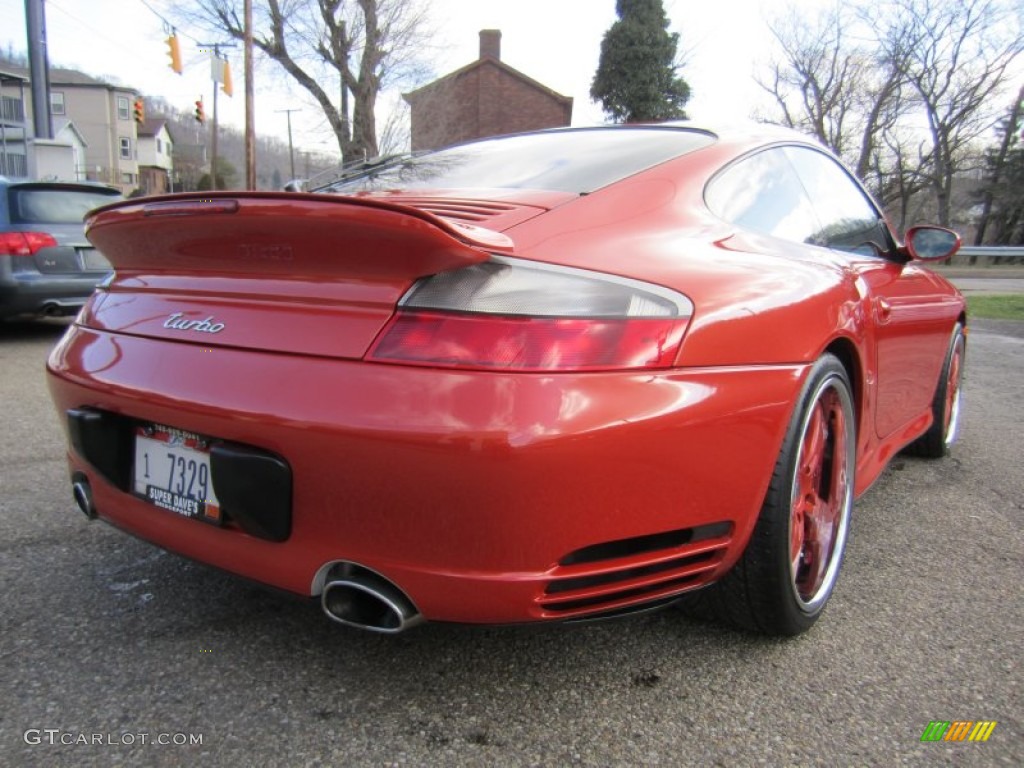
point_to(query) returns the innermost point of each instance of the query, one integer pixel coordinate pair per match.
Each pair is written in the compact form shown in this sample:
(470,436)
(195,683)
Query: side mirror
(295,185)
(927,243)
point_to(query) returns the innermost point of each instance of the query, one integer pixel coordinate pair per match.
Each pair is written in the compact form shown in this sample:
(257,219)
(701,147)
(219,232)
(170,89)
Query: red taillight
(529,344)
(24,243)
(509,314)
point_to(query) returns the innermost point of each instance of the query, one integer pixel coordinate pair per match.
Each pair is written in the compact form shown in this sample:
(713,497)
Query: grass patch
(1001,306)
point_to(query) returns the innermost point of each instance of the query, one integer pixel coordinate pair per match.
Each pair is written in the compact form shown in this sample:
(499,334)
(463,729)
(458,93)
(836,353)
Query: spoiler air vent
(472,211)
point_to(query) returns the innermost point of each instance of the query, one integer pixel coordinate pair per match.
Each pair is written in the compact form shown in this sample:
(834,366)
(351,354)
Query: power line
(167,24)
(119,44)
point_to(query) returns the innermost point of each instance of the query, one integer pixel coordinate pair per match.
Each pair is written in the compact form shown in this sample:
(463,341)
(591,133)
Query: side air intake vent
(614,575)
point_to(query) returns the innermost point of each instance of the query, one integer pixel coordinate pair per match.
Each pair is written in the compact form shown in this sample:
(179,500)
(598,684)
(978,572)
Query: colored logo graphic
(959,730)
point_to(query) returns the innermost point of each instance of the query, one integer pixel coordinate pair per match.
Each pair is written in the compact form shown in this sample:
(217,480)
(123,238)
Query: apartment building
(14,130)
(100,112)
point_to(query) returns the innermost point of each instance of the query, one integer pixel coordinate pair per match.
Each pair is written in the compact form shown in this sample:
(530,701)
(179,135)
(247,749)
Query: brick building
(485,98)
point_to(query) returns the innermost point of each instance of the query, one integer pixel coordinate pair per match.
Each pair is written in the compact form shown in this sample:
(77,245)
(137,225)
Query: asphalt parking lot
(108,641)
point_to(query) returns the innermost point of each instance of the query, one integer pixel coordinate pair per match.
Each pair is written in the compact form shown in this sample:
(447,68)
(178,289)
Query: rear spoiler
(286,233)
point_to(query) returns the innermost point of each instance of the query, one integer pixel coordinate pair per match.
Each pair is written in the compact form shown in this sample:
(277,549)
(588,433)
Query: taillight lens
(506,314)
(24,243)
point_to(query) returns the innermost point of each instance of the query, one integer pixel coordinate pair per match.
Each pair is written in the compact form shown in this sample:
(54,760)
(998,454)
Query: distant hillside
(273,164)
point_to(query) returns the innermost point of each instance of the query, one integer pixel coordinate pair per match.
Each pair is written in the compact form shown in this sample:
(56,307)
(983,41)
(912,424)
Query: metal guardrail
(989,255)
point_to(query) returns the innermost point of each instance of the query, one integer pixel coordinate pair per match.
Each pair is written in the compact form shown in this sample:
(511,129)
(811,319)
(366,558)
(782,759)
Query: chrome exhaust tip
(359,597)
(82,493)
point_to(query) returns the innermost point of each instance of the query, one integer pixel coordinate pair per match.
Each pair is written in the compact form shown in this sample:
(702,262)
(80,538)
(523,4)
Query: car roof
(725,129)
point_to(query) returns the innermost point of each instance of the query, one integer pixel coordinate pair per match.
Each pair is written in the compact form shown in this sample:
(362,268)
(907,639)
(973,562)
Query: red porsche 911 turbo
(552,376)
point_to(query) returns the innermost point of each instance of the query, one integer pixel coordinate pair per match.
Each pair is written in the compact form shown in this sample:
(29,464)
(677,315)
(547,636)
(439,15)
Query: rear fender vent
(572,584)
(615,575)
(639,545)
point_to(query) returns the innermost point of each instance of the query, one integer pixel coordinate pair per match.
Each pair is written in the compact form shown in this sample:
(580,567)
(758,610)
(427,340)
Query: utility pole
(39,68)
(213,138)
(291,151)
(215,48)
(250,129)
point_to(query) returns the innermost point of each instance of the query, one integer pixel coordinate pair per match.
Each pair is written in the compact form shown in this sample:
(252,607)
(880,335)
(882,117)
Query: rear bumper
(486,497)
(28,294)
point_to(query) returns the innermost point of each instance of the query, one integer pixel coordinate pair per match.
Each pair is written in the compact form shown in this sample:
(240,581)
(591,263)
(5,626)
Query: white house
(156,168)
(61,158)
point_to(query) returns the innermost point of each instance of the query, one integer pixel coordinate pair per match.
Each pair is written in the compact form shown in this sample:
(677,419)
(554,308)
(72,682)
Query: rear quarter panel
(757,299)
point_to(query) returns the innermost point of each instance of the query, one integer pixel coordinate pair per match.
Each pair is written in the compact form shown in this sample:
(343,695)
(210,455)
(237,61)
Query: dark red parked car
(553,376)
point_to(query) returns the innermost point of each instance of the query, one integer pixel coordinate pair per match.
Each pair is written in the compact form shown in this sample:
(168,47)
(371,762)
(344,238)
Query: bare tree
(956,55)
(903,91)
(826,82)
(394,136)
(896,165)
(342,52)
(813,79)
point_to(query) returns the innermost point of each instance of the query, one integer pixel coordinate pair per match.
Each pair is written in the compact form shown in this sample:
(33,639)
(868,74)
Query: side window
(849,222)
(762,193)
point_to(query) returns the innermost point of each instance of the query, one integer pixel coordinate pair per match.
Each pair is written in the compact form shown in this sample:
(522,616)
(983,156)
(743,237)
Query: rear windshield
(579,161)
(55,206)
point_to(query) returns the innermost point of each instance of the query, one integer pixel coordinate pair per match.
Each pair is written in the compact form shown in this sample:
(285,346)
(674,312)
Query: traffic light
(226,84)
(174,52)
(199,113)
(139,110)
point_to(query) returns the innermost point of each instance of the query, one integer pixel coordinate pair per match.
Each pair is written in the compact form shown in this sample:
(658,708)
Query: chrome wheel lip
(956,380)
(954,420)
(815,602)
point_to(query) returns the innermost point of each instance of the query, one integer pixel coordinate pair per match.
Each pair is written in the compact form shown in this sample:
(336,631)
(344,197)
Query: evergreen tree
(636,78)
(226,176)
(1006,218)
(1002,195)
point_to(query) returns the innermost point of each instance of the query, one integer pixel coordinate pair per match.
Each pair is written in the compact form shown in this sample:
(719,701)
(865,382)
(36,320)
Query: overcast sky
(556,42)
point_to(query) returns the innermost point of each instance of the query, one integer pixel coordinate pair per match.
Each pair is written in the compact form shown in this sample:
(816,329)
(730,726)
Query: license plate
(172,471)
(94,261)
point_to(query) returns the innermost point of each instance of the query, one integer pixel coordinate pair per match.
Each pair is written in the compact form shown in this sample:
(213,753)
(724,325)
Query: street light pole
(291,151)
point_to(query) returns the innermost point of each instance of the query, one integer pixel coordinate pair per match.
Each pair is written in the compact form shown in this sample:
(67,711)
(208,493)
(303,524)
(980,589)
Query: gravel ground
(105,636)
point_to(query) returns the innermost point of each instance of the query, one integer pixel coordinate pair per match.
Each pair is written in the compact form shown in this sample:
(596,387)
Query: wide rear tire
(784,579)
(935,443)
